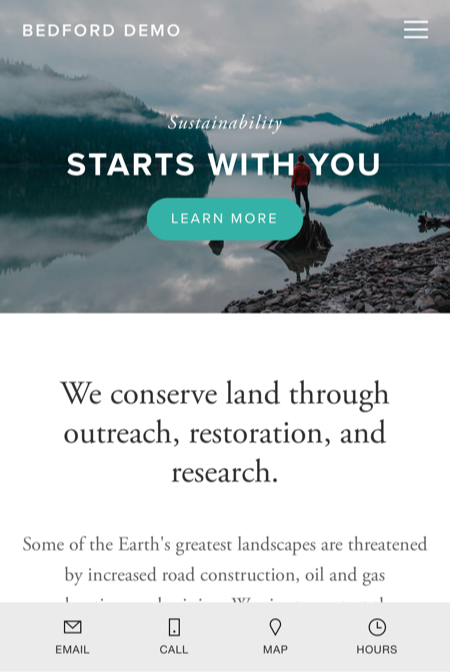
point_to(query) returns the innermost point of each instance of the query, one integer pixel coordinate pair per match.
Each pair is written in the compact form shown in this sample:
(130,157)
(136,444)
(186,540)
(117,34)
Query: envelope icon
(72,627)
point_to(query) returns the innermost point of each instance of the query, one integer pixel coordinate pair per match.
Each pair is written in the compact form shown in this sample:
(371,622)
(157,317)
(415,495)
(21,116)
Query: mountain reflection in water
(82,244)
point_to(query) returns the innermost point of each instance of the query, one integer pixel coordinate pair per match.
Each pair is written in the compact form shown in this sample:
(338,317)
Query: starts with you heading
(184,164)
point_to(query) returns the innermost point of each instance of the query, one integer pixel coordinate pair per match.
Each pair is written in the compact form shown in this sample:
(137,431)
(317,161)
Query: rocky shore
(401,278)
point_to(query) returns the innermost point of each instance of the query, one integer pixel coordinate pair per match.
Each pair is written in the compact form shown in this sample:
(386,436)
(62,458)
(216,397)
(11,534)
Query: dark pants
(301,190)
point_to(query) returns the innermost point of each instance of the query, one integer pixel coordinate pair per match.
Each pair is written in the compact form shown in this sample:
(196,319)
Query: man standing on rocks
(300,181)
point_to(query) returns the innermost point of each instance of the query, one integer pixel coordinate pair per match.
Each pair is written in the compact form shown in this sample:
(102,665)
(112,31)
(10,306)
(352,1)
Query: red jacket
(301,176)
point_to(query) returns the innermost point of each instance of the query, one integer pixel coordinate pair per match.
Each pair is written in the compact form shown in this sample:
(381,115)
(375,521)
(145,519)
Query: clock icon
(377,627)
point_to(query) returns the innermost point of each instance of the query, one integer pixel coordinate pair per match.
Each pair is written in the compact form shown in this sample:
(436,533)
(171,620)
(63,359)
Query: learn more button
(225,219)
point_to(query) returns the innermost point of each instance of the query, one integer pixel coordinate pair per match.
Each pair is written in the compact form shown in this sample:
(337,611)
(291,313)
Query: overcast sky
(252,56)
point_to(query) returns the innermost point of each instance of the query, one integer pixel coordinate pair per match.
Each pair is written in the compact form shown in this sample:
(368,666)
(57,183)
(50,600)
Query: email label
(70,650)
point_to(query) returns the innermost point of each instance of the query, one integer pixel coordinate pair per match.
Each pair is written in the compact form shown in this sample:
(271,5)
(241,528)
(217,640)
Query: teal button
(225,219)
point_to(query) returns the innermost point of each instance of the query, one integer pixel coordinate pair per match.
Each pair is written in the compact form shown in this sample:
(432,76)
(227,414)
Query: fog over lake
(287,138)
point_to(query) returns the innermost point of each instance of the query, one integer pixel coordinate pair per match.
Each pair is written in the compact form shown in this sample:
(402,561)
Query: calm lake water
(82,245)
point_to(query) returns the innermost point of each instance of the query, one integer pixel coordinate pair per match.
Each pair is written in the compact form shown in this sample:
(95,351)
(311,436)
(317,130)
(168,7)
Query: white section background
(52,491)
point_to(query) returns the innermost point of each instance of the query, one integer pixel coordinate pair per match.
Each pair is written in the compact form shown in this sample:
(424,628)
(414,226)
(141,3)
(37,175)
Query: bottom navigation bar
(225,637)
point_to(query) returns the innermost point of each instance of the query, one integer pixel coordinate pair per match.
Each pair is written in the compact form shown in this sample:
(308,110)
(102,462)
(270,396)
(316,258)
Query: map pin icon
(275,625)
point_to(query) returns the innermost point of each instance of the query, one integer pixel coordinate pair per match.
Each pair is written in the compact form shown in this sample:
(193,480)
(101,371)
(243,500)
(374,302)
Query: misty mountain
(406,140)
(414,138)
(25,90)
(45,116)
(324,117)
